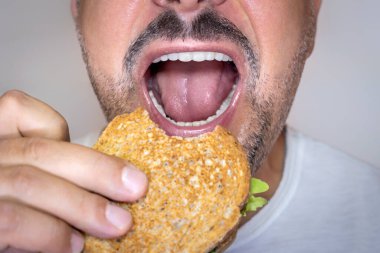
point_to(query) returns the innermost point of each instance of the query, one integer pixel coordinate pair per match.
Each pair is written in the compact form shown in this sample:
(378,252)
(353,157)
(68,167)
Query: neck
(271,171)
(273,167)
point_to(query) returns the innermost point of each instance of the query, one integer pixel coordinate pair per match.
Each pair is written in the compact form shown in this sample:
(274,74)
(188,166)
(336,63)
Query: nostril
(187,5)
(161,3)
(218,2)
(184,5)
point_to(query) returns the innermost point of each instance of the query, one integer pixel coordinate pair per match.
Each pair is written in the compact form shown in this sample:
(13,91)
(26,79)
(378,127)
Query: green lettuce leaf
(257,186)
(254,203)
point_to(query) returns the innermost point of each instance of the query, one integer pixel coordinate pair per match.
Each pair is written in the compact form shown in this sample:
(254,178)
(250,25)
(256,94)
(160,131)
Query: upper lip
(162,47)
(159,48)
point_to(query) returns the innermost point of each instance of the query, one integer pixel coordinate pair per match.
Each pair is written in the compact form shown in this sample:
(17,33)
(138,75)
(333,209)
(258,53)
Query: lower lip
(189,131)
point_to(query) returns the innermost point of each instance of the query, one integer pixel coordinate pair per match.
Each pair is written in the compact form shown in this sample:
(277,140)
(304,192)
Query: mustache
(207,26)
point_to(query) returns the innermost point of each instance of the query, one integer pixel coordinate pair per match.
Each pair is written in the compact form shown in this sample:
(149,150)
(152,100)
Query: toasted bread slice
(197,187)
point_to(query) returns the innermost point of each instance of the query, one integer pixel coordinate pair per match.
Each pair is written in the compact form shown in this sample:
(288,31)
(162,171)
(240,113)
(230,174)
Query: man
(193,65)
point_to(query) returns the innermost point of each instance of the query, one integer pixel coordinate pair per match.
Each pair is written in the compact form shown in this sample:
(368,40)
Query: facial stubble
(118,95)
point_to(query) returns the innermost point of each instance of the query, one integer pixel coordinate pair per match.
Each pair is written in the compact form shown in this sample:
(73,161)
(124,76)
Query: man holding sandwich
(193,65)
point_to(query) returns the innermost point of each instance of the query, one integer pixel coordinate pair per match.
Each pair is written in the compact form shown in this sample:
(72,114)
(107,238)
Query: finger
(23,115)
(14,250)
(24,228)
(87,211)
(109,176)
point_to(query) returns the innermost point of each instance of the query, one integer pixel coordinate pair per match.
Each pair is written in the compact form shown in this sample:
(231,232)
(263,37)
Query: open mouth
(190,92)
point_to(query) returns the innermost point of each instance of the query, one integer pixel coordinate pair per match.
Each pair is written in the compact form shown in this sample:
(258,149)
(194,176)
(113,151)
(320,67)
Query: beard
(265,113)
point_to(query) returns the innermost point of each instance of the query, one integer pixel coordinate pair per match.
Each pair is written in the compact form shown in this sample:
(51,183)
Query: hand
(50,189)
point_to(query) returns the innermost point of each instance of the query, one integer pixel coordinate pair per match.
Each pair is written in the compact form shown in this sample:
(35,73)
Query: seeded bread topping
(197,187)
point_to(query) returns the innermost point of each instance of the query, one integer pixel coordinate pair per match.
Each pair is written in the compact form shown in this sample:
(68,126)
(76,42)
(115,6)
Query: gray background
(337,102)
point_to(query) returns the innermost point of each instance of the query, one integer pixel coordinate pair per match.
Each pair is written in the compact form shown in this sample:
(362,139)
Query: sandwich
(199,188)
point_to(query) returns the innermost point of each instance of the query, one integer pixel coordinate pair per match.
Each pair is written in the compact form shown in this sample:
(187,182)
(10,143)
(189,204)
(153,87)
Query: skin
(50,188)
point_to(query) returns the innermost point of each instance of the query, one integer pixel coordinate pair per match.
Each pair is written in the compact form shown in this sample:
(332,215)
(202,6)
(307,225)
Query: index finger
(23,115)
(87,168)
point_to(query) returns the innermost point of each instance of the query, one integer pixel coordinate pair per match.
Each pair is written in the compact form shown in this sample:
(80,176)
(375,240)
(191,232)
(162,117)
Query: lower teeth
(219,112)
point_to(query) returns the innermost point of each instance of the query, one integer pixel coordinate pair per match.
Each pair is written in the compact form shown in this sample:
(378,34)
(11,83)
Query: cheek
(108,28)
(280,35)
(275,28)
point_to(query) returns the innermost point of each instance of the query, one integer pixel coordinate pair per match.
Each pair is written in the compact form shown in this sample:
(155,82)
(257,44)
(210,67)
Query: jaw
(217,109)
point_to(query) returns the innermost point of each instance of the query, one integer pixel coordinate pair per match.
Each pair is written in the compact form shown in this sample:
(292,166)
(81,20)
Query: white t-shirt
(326,202)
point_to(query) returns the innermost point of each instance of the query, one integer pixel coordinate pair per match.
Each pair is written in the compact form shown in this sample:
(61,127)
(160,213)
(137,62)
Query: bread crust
(197,187)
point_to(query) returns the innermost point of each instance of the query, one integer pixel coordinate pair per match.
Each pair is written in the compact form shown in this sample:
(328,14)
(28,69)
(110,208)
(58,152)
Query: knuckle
(34,147)
(9,218)
(93,205)
(61,126)
(23,181)
(13,96)
(11,100)
(106,179)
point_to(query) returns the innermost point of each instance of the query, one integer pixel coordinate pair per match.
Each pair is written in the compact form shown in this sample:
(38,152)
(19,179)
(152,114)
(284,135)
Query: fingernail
(134,180)
(77,242)
(118,217)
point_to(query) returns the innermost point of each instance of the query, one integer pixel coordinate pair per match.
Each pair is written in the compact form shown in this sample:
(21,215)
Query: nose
(187,5)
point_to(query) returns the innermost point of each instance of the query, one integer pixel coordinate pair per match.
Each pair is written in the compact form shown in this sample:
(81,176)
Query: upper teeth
(194,56)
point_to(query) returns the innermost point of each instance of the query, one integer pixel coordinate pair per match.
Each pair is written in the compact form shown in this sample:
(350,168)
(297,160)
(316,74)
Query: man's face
(197,64)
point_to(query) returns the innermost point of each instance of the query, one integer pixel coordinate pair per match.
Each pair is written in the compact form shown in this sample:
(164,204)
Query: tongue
(193,91)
